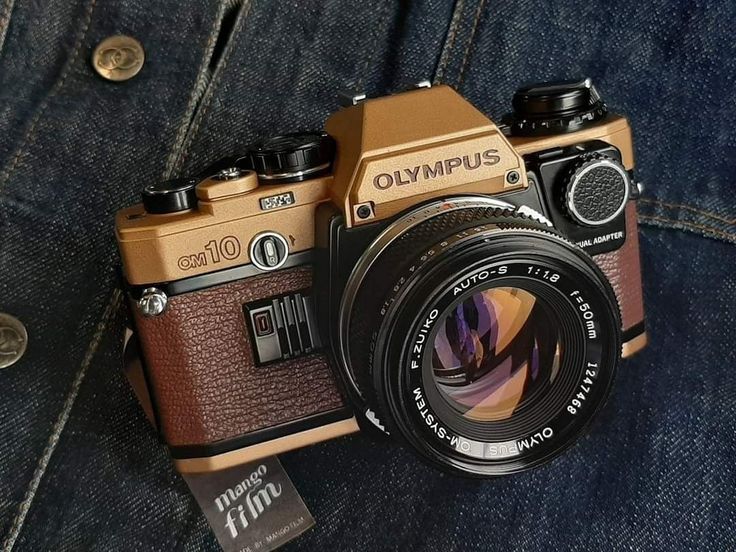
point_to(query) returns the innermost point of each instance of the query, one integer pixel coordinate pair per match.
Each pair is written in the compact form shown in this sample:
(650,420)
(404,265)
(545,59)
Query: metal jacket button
(118,58)
(13,340)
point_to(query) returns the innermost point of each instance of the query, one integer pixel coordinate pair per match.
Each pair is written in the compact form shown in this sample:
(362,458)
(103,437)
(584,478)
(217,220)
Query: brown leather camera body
(197,276)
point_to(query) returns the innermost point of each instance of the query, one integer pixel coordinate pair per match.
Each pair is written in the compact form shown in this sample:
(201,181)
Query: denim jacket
(80,468)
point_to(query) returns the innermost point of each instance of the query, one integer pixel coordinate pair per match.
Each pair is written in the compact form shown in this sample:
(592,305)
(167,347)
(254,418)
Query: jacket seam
(471,39)
(449,42)
(58,427)
(208,95)
(200,89)
(676,224)
(709,214)
(30,135)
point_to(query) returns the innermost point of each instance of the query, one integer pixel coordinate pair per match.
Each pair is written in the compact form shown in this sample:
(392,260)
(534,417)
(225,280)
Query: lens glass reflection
(496,351)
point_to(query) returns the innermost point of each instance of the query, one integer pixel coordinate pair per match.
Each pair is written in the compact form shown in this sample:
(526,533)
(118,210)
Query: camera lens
(494,352)
(479,336)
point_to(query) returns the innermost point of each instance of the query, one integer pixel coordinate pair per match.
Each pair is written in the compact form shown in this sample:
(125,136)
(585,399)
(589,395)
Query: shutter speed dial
(291,157)
(555,108)
(596,191)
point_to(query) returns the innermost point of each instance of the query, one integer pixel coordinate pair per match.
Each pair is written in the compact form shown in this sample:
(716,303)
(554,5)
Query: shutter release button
(269,250)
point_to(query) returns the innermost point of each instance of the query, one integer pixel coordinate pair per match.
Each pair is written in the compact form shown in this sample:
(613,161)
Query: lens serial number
(584,389)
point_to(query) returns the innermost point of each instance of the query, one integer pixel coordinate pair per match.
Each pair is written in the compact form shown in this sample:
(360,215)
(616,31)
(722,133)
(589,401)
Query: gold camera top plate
(392,153)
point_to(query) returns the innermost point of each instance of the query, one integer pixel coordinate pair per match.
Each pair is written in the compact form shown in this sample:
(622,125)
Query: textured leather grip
(205,383)
(623,269)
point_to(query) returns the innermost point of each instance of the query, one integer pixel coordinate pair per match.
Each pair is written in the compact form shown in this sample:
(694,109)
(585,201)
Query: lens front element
(494,352)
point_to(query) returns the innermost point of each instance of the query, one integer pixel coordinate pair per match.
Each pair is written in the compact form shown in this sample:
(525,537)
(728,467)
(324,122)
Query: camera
(464,287)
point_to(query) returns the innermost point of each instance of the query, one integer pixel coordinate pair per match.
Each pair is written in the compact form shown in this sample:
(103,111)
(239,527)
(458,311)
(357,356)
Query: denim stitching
(60,423)
(468,46)
(30,135)
(677,224)
(449,43)
(210,92)
(715,216)
(200,88)
(5,12)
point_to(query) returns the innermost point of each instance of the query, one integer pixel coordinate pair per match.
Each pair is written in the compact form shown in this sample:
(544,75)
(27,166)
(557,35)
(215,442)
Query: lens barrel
(479,336)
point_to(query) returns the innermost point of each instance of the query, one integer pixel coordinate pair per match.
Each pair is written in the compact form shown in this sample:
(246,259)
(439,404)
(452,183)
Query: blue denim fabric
(81,469)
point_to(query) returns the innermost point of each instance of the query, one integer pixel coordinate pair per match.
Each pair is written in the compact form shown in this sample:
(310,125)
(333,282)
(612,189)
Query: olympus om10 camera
(464,287)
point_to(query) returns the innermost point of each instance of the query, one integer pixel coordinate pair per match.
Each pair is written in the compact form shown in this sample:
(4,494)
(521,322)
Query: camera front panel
(221,396)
